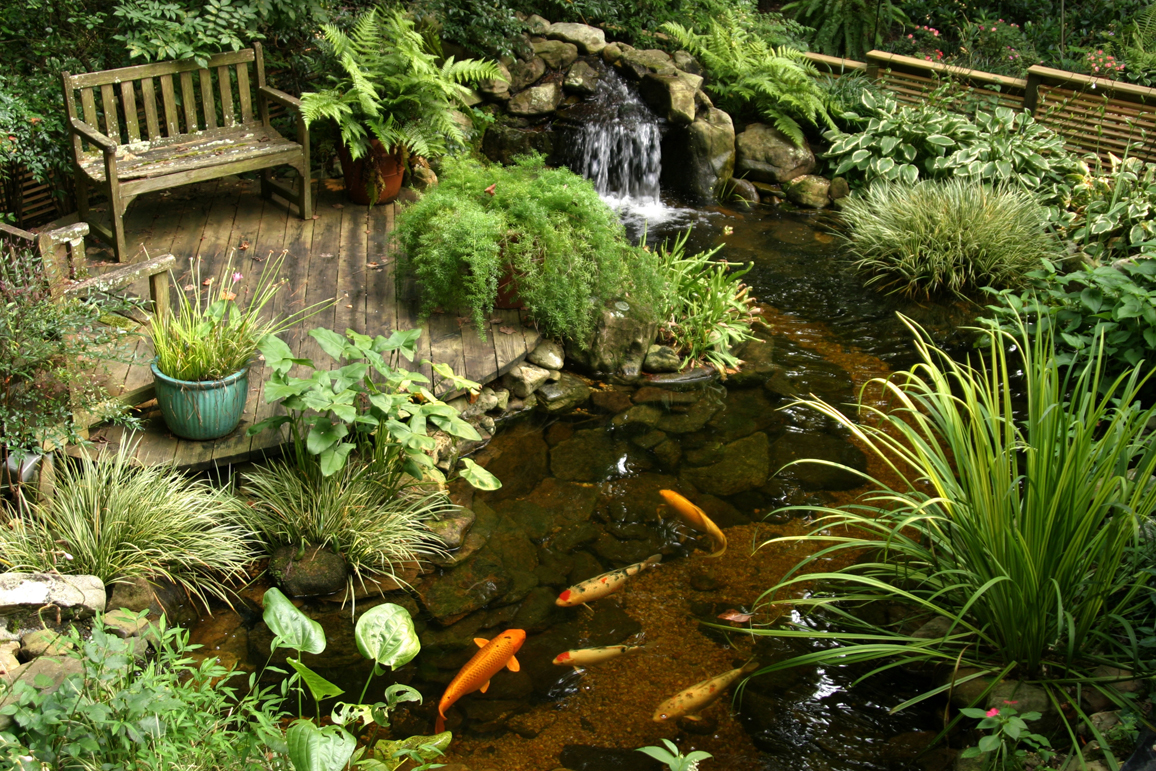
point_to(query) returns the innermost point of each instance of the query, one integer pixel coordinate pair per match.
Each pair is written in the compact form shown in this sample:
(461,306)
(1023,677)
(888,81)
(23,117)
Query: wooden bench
(193,131)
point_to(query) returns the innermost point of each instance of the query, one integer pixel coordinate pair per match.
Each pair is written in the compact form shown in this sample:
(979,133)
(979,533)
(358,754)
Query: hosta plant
(1111,213)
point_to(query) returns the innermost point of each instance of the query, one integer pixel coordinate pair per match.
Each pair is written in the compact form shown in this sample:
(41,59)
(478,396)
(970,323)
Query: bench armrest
(121,277)
(92,135)
(280,97)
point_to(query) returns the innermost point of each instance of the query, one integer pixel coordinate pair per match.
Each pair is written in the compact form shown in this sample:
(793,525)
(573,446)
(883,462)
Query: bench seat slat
(188,152)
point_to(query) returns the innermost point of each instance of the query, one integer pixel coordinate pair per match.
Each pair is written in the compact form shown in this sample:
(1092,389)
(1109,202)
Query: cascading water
(618,146)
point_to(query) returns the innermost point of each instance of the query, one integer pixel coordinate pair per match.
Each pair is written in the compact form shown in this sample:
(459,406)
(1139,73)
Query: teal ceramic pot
(200,410)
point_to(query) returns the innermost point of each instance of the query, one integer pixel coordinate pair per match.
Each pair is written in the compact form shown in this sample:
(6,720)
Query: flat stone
(125,623)
(589,40)
(566,394)
(547,354)
(765,154)
(539,100)
(44,642)
(557,54)
(78,596)
(524,379)
(661,358)
(452,529)
(55,669)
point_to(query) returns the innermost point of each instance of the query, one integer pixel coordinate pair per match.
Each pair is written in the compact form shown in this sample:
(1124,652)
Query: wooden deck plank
(508,349)
(349,312)
(479,357)
(321,283)
(445,336)
(381,290)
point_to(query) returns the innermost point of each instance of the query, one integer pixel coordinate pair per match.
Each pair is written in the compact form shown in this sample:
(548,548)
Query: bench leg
(305,199)
(81,194)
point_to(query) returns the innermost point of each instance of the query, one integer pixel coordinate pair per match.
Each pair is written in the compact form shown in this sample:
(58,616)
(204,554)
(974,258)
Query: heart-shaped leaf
(318,686)
(385,635)
(319,749)
(293,628)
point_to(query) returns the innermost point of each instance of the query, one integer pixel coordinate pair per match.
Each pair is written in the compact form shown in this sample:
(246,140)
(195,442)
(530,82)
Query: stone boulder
(765,154)
(524,379)
(581,79)
(539,100)
(501,144)
(526,73)
(809,190)
(452,529)
(743,465)
(637,63)
(76,596)
(548,355)
(618,345)
(45,674)
(311,572)
(670,96)
(711,160)
(589,40)
(661,358)
(839,188)
(564,395)
(536,25)
(165,597)
(613,52)
(745,190)
(497,89)
(556,54)
(687,63)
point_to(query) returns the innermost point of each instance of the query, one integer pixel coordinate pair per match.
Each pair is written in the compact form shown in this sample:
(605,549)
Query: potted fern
(391,99)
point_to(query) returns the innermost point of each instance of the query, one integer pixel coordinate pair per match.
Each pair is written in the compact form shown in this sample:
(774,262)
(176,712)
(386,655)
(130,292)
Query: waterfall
(618,146)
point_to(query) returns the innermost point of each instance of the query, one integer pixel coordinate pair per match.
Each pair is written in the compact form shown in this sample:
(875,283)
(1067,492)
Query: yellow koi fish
(696,518)
(584,656)
(600,586)
(698,697)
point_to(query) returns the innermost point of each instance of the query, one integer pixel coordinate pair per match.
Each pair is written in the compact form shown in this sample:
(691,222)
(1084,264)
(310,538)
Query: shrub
(117,712)
(748,74)
(116,520)
(847,28)
(1108,213)
(546,229)
(1017,521)
(376,532)
(946,236)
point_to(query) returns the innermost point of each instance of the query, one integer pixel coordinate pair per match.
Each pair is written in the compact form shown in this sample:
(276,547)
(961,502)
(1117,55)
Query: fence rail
(1093,115)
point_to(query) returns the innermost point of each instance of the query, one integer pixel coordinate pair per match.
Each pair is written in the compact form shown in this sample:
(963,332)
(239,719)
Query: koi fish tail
(440,725)
(750,666)
(721,550)
(653,559)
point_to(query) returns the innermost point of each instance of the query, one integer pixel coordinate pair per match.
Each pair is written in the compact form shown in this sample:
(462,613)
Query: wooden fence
(1093,115)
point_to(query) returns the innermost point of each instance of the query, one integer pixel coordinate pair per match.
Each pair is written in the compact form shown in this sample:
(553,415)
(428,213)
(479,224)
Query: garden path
(343,252)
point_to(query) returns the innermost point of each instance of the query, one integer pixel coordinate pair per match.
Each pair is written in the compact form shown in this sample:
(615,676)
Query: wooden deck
(343,252)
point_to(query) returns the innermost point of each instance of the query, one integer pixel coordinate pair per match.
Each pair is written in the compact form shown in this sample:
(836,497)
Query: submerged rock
(816,476)
(743,465)
(586,457)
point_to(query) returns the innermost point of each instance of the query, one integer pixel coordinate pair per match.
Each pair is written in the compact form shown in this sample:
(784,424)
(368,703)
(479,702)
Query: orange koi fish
(600,586)
(475,675)
(698,697)
(696,518)
(584,656)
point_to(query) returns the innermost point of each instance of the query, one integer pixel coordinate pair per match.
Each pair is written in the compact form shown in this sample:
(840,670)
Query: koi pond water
(580,496)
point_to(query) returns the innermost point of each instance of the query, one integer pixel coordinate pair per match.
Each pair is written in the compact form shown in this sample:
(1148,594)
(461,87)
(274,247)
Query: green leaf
(973,712)
(318,686)
(330,342)
(478,477)
(427,747)
(941,141)
(989,743)
(860,155)
(909,173)
(333,459)
(294,628)
(324,435)
(385,635)
(319,749)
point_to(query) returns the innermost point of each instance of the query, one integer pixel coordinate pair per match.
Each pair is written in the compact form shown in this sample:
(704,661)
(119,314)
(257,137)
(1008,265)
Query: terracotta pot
(380,171)
(508,298)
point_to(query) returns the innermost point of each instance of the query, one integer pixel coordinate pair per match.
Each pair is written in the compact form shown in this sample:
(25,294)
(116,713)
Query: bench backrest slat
(189,102)
(131,118)
(168,97)
(218,96)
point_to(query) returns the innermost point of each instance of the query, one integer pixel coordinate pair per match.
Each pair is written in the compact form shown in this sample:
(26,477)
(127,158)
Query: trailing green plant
(706,309)
(545,230)
(1016,521)
(953,236)
(391,87)
(211,336)
(1001,748)
(374,529)
(120,711)
(1113,307)
(385,635)
(749,74)
(370,403)
(118,521)
(674,759)
(847,28)
(42,340)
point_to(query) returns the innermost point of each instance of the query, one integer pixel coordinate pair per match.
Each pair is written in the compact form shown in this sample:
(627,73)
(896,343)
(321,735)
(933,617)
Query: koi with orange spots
(606,584)
(475,675)
(698,697)
(696,518)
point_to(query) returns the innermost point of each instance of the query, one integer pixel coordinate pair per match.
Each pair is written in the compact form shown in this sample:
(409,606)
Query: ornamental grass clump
(117,520)
(946,237)
(1015,521)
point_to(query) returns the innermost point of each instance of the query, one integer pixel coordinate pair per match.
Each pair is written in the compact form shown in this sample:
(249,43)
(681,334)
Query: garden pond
(580,496)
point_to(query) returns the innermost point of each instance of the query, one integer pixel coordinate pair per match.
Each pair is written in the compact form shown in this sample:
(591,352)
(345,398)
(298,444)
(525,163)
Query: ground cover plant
(544,230)
(750,75)
(117,521)
(946,237)
(1017,522)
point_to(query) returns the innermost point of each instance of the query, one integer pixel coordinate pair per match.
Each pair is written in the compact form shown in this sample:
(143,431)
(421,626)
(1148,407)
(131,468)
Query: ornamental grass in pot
(390,99)
(203,350)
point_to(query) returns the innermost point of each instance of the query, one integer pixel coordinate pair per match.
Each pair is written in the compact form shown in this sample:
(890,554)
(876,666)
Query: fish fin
(653,559)
(750,666)
(659,511)
(481,642)
(485,686)
(694,718)
(513,665)
(720,552)
(440,725)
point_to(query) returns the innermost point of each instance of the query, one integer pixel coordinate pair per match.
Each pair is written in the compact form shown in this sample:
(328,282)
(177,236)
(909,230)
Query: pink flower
(911,37)
(992,712)
(237,277)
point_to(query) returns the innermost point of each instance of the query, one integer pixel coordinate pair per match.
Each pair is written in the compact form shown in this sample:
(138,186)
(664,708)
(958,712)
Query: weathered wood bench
(181,140)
